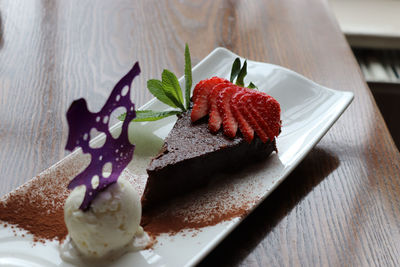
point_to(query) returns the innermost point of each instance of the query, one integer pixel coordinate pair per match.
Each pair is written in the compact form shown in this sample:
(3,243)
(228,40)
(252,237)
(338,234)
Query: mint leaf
(172,88)
(242,74)
(188,76)
(156,88)
(150,115)
(235,69)
(252,86)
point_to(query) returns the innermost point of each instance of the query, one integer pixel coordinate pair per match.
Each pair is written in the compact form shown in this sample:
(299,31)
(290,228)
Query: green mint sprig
(239,72)
(188,76)
(150,115)
(169,92)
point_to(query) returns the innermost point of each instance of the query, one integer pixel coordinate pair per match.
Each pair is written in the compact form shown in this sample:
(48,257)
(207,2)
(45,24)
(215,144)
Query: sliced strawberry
(200,97)
(207,82)
(215,119)
(246,109)
(200,107)
(274,109)
(234,106)
(224,107)
(270,110)
(197,89)
(258,112)
(244,126)
(261,122)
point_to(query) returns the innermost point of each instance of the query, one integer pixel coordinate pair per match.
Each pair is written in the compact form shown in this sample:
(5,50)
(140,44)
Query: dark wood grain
(341,205)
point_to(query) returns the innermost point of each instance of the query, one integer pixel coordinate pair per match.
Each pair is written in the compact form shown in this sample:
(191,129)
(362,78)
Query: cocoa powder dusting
(207,206)
(230,196)
(38,205)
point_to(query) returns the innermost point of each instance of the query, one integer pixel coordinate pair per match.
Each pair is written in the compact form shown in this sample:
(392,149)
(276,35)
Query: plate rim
(345,99)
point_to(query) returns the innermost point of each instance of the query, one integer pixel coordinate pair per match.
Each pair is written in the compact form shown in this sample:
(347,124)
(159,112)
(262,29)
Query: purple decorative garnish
(117,152)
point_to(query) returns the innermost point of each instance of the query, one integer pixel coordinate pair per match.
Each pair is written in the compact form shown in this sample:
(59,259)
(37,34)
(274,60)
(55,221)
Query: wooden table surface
(341,205)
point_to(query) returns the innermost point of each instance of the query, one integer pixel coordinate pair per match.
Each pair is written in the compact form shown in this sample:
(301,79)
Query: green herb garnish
(235,69)
(239,72)
(169,92)
(150,115)
(252,86)
(172,89)
(188,76)
(156,88)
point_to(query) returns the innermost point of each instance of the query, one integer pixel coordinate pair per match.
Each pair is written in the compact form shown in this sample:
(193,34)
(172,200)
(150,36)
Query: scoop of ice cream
(109,225)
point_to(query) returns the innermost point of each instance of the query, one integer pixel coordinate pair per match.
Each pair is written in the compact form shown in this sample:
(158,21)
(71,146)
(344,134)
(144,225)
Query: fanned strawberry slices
(233,107)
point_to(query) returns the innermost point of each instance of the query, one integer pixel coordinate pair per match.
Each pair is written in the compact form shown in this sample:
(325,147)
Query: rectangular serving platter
(308,111)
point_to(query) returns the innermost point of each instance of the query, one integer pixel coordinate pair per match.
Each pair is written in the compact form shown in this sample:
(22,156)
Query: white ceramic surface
(308,111)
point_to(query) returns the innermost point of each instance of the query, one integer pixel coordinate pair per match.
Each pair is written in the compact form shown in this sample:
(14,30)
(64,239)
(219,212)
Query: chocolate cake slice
(191,156)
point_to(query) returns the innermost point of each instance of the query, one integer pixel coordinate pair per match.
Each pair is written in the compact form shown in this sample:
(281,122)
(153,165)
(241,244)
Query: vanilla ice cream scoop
(110,224)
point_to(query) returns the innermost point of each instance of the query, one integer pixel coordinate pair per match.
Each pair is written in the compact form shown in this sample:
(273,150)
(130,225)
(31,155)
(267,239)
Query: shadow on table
(253,230)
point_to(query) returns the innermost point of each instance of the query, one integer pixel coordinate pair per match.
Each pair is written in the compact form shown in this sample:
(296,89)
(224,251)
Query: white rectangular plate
(308,111)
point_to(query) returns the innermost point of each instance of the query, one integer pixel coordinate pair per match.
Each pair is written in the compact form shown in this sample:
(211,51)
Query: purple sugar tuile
(117,151)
